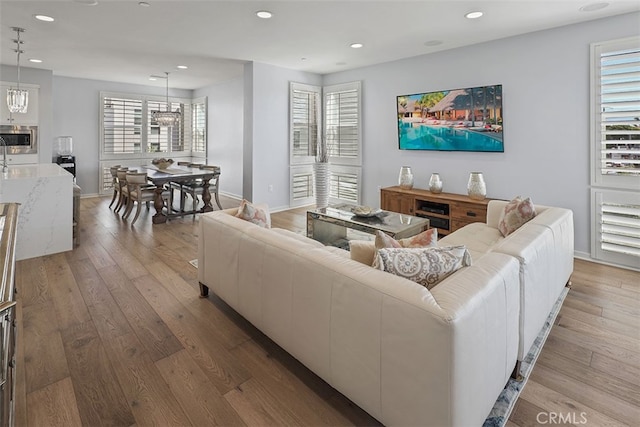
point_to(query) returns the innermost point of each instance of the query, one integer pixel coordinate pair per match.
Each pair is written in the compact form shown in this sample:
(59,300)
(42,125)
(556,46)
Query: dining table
(180,174)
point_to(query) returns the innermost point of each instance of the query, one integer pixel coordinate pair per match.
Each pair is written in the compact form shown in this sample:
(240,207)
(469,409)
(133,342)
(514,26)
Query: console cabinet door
(397,202)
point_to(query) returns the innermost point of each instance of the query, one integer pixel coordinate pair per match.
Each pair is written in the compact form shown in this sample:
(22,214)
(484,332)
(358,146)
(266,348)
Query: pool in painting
(447,138)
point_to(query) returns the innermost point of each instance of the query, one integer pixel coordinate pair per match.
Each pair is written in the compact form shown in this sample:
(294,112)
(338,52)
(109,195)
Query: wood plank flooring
(113,333)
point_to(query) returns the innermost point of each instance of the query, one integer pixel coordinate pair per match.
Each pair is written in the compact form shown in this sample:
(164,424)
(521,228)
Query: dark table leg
(206,197)
(158,203)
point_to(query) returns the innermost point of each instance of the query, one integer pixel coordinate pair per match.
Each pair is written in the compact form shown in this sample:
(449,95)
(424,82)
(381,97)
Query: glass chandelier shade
(17,99)
(166,118)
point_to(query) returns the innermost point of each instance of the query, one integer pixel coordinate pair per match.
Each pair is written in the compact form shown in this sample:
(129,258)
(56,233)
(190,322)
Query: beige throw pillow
(364,251)
(515,214)
(426,238)
(255,213)
(426,266)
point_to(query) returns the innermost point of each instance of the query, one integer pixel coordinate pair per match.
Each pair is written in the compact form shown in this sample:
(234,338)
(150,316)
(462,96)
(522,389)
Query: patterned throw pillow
(256,214)
(426,238)
(517,212)
(426,266)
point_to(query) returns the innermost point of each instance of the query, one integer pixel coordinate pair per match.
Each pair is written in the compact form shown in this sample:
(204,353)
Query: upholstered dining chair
(121,176)
(116,188)
(196,188)
(140,191)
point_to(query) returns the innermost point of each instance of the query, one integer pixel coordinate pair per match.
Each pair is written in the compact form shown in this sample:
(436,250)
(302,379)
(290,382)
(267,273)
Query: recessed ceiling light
(182,67)
(37,61)
(86,2)
(473,15)
(143,4)
(433,43)
(153,79)
(356,45)
(593,7)
(44,18)
(264,14)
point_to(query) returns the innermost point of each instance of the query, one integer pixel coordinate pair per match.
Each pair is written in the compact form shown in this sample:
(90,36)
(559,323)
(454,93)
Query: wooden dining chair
(116,188)
(140,191)
(121,175)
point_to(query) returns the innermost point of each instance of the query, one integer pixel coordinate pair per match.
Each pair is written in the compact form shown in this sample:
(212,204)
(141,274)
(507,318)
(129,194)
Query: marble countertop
(41,170)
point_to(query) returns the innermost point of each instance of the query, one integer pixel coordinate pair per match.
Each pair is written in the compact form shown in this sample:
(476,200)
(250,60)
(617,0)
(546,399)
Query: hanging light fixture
(17,99)
(166,118)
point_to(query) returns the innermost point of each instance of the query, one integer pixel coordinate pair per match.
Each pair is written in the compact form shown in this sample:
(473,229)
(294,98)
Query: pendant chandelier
(166,118)
(17,99)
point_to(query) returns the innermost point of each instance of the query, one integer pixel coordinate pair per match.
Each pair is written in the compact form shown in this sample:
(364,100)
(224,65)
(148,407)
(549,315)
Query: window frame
(616,238)
(145,126)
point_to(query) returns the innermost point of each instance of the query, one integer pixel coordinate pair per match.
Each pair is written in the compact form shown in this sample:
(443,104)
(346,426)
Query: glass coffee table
(336,225)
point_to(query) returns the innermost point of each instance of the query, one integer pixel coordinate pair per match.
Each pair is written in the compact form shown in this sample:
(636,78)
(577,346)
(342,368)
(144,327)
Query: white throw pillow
(426,266)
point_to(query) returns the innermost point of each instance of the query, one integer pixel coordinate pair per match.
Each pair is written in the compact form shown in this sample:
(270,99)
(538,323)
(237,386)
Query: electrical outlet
(270,188)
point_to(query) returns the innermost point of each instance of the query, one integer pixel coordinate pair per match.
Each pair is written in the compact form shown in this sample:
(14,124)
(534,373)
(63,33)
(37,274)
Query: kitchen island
(45,215)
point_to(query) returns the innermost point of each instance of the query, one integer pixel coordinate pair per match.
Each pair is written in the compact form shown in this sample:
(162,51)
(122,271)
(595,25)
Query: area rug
(194,262)
(507,399)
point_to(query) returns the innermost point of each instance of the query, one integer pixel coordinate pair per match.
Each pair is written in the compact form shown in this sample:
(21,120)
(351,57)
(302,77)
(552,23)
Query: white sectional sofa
(544,249)
(406,355)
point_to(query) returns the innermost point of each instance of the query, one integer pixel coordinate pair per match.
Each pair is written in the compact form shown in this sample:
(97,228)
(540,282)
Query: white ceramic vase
(405,179)
(435,183)
(321,184)
(476,187)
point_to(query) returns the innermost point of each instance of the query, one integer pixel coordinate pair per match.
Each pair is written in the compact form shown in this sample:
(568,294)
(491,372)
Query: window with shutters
(339,118)
(615,136)
(305,120)
(129,135)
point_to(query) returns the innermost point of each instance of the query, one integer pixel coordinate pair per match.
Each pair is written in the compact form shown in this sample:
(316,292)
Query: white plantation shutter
(344,184)
(617,113)
(618,236)
(342,130)
(199,127)
(304,112)
(615,135)
(342,123)
(301,185)
(121,125)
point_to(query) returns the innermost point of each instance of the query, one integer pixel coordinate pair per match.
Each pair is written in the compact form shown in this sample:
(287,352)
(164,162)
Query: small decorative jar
(435,183)
(476,187)
(405,179)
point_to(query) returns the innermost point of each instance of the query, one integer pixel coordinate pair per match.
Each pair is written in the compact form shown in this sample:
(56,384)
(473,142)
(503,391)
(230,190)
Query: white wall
(225,133)
(545,78)
(269,145)
(76,113)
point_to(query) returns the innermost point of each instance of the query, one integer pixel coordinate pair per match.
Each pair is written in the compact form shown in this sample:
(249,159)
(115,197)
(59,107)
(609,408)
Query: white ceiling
(119,40)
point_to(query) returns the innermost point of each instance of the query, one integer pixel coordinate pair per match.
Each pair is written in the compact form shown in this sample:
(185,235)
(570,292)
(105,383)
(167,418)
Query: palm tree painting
(453,120)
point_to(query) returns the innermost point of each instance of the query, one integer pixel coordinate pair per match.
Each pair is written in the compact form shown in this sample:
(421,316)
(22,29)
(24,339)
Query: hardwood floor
(113,333)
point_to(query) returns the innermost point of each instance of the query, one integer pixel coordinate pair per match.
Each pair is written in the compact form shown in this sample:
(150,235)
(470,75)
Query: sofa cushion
(255,213)
(363,251)
(296,236)
(426,266)
(517,212)
(478,237)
